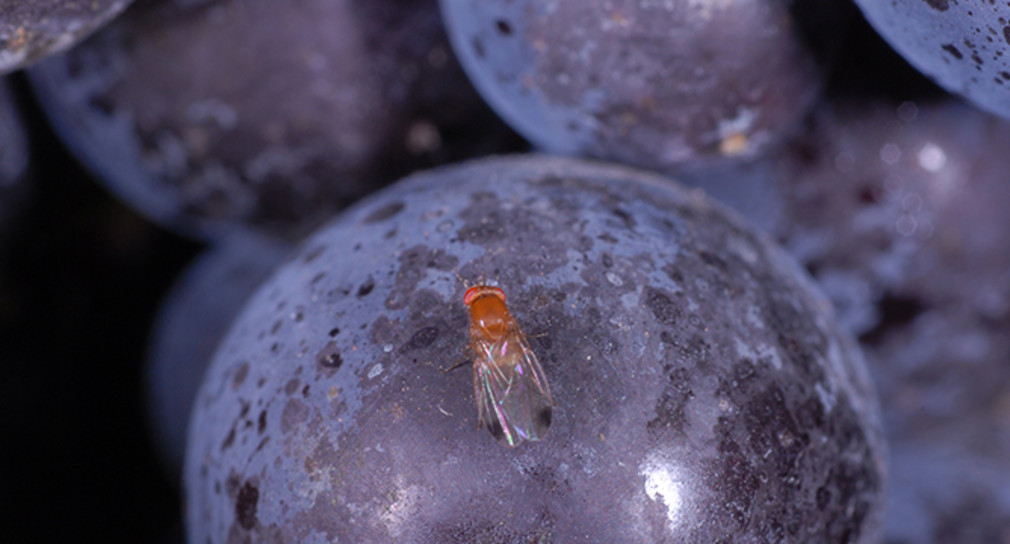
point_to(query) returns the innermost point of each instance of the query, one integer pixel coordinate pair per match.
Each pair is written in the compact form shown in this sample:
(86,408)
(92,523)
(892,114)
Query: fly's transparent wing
(513,398)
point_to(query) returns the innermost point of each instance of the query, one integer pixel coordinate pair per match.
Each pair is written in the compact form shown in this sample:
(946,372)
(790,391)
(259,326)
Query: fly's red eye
(470,294)
(478,290)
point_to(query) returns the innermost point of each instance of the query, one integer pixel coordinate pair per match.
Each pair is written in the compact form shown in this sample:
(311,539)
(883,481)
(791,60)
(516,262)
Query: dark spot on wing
(544,417)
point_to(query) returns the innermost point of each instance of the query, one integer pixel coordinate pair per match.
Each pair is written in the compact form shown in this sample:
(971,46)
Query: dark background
(81,277)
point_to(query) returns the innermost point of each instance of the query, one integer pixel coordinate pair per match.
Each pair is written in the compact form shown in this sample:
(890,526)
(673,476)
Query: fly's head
(488,313)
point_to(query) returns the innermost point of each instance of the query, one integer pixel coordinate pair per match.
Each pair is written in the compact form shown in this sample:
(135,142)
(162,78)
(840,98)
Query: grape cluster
(756,252)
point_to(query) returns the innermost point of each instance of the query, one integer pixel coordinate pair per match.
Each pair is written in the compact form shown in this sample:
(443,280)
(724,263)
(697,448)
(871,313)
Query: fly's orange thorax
(489,316)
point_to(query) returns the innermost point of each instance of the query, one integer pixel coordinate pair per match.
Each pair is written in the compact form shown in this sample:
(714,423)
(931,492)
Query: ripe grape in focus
(703,391)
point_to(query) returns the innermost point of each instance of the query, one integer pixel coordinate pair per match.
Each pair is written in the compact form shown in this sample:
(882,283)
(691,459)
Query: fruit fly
(513,399)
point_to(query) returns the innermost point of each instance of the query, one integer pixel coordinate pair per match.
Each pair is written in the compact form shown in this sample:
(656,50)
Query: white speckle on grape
(397,514)
(741,124)
(661,484)
(932,158)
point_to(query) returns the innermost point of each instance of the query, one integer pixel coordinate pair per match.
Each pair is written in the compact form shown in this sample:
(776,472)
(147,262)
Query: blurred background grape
(661,85)
(194,316)
(221,116)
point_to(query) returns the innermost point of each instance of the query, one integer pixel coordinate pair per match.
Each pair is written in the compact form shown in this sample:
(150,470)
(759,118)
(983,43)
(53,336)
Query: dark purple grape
(655,84)
(900,214)
(703,390)
(963,46)
(217,115)
(195,316)
(33,29)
